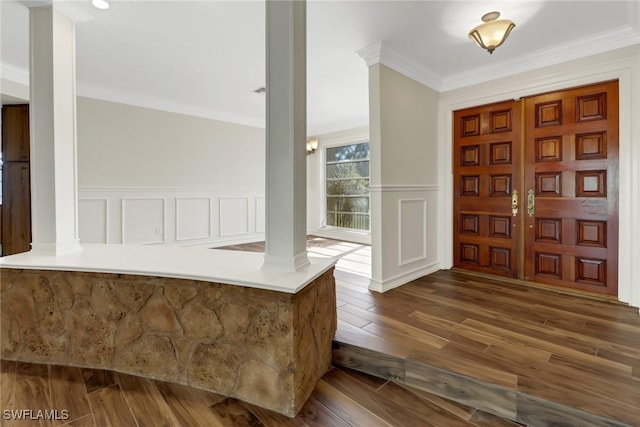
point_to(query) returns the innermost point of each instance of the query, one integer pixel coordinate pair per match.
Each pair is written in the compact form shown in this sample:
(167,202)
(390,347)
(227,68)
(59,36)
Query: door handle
(514,202)
(531,203)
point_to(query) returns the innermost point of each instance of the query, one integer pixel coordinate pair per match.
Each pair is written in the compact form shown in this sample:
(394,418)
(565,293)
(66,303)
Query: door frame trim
(623,65)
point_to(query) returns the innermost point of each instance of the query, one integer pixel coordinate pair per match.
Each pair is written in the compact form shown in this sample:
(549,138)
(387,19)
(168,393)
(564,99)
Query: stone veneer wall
(264,347)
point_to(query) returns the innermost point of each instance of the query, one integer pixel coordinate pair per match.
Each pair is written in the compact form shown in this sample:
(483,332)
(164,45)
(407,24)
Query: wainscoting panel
(413,230)
(193,218)
(404,226)
(260,214)
(95,229)
(206,217)
(143,220)
(234,216)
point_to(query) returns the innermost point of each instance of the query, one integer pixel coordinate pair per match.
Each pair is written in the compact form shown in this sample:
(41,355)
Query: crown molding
(70,9)
(138,100)
(598,43)
(73,11)
(411,69)
(21,76)
(381,53)
(14,74)
(371,54)
(36,3)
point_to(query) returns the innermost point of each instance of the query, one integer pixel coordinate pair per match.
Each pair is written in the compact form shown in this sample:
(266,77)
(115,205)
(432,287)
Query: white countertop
(221,266)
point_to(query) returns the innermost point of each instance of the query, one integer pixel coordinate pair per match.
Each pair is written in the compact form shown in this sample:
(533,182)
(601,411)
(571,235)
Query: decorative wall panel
(234,215)
(95,230)
(413,230)
(143,220)
(193,218)
(260,214)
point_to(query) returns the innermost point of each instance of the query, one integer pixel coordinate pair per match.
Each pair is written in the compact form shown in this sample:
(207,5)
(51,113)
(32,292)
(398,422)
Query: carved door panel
(559,152)
(487,172)
(571,231)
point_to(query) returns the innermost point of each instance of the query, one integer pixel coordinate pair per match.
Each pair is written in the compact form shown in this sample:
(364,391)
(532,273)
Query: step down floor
(534,356)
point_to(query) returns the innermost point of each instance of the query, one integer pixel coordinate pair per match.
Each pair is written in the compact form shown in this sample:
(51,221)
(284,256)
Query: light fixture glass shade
(100,4)
(312,145)
(492,33)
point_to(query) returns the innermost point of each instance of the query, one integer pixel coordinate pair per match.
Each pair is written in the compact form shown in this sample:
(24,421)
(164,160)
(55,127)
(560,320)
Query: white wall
(622,64)
(154,177)
(124,145)
(404,190)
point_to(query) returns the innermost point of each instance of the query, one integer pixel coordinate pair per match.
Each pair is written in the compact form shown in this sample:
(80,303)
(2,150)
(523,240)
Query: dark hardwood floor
(445,350)
(102,398)
(521,352)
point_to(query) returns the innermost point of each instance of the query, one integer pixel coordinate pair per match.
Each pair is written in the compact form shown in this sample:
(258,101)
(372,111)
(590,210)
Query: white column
(53,132)
(286,196)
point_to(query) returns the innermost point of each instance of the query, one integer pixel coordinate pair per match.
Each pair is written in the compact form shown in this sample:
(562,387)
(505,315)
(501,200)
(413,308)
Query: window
(347,175)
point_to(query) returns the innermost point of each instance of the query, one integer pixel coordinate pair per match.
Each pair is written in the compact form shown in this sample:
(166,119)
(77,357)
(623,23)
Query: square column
(52,90)
(286,191)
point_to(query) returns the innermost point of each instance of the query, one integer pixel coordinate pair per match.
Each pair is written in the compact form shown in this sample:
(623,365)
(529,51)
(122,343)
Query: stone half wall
(264,347)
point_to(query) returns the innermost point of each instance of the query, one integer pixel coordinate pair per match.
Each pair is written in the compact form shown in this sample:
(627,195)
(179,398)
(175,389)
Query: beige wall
(408,130)
(404,176)
(126,146)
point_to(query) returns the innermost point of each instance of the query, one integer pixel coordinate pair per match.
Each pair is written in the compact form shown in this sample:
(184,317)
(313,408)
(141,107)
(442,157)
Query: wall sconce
(312,145)
(493,32)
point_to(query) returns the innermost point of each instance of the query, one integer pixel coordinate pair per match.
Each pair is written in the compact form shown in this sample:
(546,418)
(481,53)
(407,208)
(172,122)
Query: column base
(54,249)
(285,263)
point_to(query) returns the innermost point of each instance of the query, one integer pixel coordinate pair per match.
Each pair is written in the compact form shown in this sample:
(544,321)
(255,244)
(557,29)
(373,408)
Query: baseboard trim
(402,279)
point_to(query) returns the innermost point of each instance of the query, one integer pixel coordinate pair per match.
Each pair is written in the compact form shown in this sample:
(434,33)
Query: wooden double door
(536,188)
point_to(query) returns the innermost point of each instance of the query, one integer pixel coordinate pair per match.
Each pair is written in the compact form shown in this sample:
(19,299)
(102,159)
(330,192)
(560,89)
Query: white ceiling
(205,58)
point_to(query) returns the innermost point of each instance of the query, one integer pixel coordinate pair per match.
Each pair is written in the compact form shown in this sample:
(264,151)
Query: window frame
(347,233)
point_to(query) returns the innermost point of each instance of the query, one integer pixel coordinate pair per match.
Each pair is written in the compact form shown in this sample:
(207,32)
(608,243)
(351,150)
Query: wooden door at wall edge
(536,188)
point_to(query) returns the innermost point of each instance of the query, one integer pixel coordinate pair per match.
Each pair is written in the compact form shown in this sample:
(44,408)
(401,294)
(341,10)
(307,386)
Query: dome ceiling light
(493,32)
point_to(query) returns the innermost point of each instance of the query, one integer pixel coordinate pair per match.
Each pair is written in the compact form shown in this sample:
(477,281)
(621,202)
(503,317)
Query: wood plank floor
(530,348)
(512,343)
(102,398)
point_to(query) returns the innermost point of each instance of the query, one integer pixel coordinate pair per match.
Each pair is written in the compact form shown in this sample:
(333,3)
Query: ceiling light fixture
(100,4)
(493,32)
